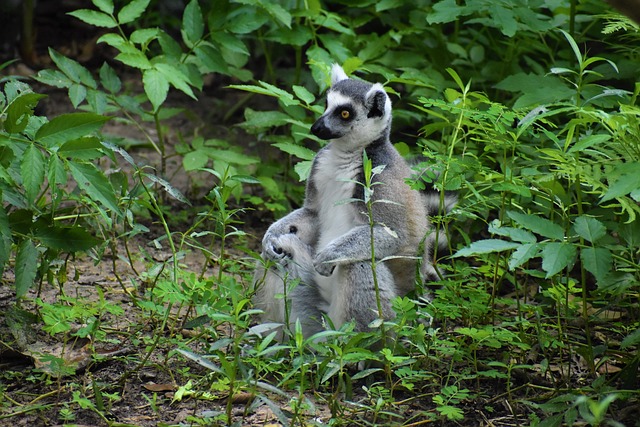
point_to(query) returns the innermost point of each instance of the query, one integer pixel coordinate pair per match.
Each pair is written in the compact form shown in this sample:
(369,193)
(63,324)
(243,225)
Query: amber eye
(345,114)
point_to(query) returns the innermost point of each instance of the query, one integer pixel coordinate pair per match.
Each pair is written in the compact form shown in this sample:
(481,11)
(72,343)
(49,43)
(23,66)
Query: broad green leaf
(176,77)
(589,228)
(95,18)
(523,254)
(77,94)
(230,42)
(114,40)
(445,11)
(486,246)
(597,261)
(622,186)
(268,89)
(104,5)
(516,234)
(67,239)
(211,59)
(303,169)
(67,127)
(302,93)
(264,119)
(504,19)
(86,148)
(233,157)
(156,87)
(109,79)
(32,172)
(296,150)
(169,46)
(144,35)
(132,11)
(73,69)
(56,173)
(278,12)
(19,111)
(557,256)
(26,266)
(95,184)
(538,225)
(194,160)
(54,78)
(192,23)
(135,59)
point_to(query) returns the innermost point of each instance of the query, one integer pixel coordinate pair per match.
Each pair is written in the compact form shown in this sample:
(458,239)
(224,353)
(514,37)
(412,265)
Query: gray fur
(326,244)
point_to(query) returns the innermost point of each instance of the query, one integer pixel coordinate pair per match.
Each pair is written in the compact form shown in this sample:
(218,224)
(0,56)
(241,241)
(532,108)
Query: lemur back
(326,244)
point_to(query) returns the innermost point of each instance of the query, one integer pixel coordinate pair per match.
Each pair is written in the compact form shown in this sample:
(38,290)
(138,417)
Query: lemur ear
(377,101)
(337,74)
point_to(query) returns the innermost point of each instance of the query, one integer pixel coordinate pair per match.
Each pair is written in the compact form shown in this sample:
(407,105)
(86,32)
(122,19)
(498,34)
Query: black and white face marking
(357,112)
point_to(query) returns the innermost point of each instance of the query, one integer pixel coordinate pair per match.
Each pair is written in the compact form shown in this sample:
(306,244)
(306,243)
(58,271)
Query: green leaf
(516,234)
(538,225)
(95,184)
(134,58)
(445,11)
(192,23)
(77,94)
(268,89)
(171,190)
(486,246)
(104,5)
(132,11)
(277,12)
(86,148)
(589,228)
(194,160)
(176,77)
(523,254)
(56,173)
(597,261)
(109,79)
(67,127)
(73,69)
(144,35)
(156,87)
(557,256)
(95,18)
(19,111)
(622,186)
(303,169)
(67,239)
(296,150)
(26,267)
(631,340)
(32,172)
(211,60)
(302,93)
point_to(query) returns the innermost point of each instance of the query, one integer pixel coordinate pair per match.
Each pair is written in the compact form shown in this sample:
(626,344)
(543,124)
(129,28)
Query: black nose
(322,131)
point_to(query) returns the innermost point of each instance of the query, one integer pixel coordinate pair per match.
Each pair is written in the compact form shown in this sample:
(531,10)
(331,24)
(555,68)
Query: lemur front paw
(280,248)
(324,263)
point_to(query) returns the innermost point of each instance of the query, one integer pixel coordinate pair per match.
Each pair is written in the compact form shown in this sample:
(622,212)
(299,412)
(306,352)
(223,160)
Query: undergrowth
(527,110)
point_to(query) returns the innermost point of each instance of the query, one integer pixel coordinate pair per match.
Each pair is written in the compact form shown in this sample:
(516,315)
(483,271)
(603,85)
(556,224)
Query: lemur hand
(325,262)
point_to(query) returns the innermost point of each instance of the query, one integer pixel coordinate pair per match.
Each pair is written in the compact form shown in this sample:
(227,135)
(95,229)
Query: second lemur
(325,246)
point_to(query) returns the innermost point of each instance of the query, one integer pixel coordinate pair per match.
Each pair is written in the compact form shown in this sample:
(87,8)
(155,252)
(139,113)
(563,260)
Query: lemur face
(357,112)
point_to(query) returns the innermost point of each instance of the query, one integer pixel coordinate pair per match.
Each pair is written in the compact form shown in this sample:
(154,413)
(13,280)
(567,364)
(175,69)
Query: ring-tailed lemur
(326,244)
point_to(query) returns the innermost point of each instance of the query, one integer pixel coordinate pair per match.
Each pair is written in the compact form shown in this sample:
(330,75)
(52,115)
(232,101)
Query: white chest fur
(335,178)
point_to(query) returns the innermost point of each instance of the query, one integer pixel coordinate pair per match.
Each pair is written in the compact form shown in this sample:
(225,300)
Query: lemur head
(357,114)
